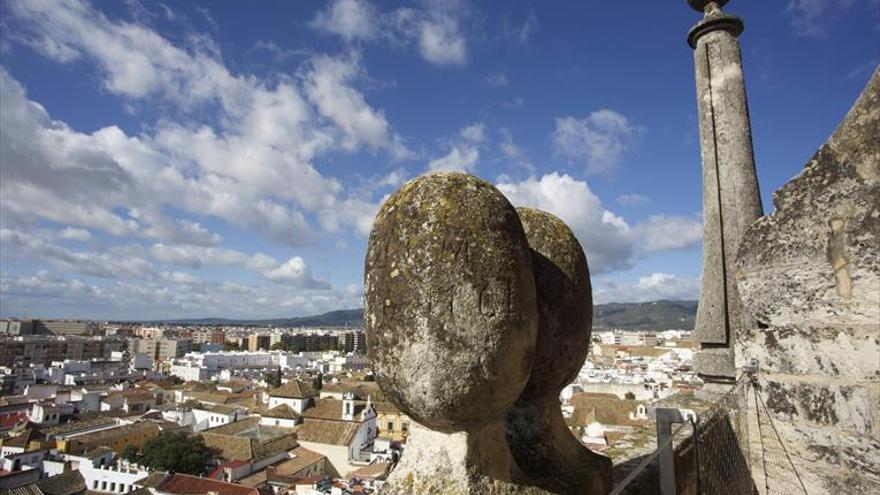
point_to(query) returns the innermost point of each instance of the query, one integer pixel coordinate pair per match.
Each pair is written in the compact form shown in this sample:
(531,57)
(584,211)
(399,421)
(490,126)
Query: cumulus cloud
(606,238)
(349,19)
(327,84)
(464,151)
(73,234)
(435,28)
(95,264)
(652,287)
(119,183)
(441,41)
(172,295)
(295,271)
(666,233)
(598,141)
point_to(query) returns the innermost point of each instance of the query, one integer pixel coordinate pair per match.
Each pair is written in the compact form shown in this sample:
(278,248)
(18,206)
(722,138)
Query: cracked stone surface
(809,274)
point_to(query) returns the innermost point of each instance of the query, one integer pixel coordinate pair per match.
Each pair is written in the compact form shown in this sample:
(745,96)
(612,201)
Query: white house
(214,415)
(296,394)
(45,414)
(341,430)
(280,415)
(103,474)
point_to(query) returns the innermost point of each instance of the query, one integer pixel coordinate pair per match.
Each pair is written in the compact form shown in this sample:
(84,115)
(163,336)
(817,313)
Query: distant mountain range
(338,318)
(656,315)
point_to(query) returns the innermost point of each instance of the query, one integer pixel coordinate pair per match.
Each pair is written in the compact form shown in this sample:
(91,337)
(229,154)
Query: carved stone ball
(449,302)
(565,302)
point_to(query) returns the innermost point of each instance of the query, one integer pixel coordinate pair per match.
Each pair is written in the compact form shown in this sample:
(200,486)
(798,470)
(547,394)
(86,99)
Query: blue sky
(226,159)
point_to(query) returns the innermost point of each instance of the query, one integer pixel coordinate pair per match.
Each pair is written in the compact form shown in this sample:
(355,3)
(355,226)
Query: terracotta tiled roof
(374,470)
(152,480)
(255,479)
(294,389)
(184,484)
(230,447)
(282,411)
(303,458)
(330,432)
(604,410)
(247,439)
(67,483)
(330,408)
(220,408)
(386,408)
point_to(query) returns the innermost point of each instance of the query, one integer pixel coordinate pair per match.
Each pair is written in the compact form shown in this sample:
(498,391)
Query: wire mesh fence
(734,448)
(722,445)
(773,469)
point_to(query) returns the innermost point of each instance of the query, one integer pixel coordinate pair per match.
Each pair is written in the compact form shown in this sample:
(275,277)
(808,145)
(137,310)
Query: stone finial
(477,315)
(450,302)
(565,303)
(700,5)
(540,442)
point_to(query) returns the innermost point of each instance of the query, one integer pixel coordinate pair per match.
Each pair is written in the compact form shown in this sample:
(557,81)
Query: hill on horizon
(654,315)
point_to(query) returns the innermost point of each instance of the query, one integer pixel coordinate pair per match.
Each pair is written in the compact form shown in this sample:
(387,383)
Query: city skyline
(180,160)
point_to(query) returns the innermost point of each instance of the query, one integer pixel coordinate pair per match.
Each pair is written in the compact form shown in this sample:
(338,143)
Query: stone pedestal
(457,463)
(554,459)
(731,199)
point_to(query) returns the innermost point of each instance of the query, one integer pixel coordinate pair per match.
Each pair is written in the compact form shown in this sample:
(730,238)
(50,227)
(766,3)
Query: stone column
(731,199)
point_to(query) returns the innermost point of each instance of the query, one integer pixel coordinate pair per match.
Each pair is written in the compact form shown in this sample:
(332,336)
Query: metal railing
(734,448)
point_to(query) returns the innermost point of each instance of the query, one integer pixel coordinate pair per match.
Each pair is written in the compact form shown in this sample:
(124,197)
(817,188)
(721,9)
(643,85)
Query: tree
(130,453)
(177,452)
(629,396)
(273,380)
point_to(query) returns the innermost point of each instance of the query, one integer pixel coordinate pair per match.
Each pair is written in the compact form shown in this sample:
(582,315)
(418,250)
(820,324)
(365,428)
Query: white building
(343,431)
(296,394)
(213,415)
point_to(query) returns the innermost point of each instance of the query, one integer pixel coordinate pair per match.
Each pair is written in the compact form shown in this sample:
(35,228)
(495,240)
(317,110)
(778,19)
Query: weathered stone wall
(810,275)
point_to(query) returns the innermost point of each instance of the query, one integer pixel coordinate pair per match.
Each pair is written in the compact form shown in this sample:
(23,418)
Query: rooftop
(294,389)
(184,484)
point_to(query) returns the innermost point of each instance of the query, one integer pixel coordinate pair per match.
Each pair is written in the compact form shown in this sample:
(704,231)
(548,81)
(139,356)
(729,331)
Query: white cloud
(513,152)
(120,184)
(496,79)
(327,85)
(522,33)
(606,238)
(813,18)
(74,234)
(173,295)
(633,200)
(349,19)
(295,271)
(435,27)
(653,287)
(96,264)
(665,233)
(441,42)
(45,285)
(464,151)
(598,141)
